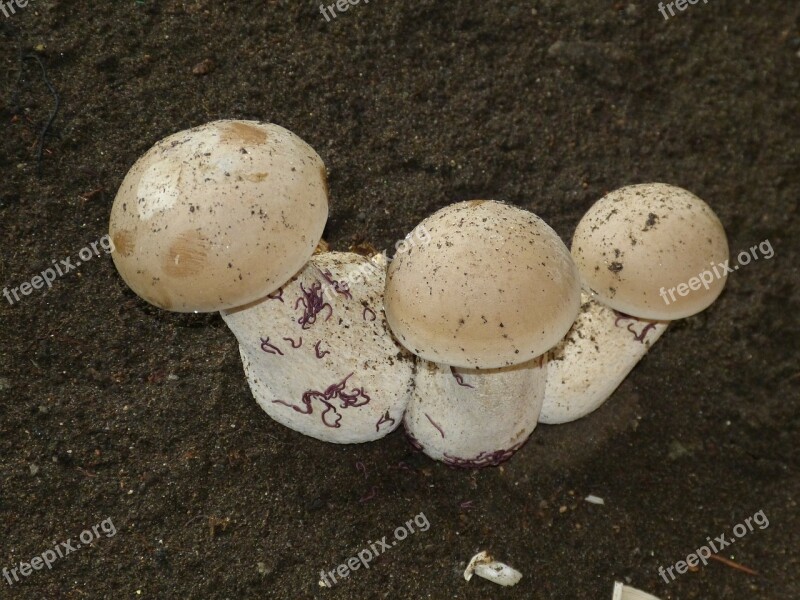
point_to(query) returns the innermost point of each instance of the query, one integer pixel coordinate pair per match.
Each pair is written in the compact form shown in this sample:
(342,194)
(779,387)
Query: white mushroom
(219,218)
(318,354)
(634,249)
(483,301)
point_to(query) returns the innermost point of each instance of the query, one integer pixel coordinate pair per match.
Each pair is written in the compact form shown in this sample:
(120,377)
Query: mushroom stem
(474,417)
(597,353)
(318,355)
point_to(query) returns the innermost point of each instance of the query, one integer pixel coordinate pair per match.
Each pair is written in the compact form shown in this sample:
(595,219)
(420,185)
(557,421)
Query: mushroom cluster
(470,339)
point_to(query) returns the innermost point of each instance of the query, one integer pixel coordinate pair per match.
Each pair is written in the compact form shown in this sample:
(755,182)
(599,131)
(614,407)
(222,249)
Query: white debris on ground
(483,565)
(625,592)
(592,499)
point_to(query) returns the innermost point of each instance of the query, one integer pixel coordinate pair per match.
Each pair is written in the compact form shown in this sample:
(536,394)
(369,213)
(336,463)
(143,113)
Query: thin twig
(733,565)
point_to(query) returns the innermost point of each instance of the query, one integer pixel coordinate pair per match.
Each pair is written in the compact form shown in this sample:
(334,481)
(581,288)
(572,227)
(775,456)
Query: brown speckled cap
(638,244)
(494,287)
(219,215)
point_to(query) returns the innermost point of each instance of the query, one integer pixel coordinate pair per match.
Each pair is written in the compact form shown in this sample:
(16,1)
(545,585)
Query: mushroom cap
(219,215)
(494,287)
(641,238)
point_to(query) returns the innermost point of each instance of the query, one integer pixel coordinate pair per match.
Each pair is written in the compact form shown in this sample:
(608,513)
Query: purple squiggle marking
(460,378)
(372,493)
(339,288)
(318,352)
(355,398)
(313,304)
(439,429)
(412,440)
(386,418)
(270,348)
(639,337)
(483,459)
(291,341)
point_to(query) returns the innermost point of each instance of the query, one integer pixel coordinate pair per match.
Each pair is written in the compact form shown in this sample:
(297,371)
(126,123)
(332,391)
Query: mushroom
(318,353)
(634,249)
(223,217)
(479,305)
(218,215)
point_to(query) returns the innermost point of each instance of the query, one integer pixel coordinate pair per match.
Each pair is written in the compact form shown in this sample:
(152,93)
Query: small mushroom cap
(494,287)
(641,238)
(218,216)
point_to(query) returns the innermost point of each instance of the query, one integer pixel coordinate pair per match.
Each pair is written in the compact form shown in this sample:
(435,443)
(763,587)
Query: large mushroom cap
(494,287)
(641,238)
(219,215)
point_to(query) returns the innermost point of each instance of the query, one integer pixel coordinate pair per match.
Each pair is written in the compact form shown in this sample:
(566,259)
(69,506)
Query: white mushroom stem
(483,565)
(594,357)
(474,417)
(318,355)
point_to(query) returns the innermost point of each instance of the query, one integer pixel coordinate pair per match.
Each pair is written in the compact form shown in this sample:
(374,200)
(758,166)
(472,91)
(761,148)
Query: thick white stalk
(474,417)
(318,354)
(597,353)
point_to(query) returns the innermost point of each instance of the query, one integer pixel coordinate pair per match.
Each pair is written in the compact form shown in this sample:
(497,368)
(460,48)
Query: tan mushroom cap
(494,287)
(641,238)
(219,215)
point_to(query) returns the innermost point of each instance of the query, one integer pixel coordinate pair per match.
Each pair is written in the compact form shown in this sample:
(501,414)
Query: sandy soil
(112,409)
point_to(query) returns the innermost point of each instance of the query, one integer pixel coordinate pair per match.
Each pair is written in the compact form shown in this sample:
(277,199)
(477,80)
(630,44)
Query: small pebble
(204,67)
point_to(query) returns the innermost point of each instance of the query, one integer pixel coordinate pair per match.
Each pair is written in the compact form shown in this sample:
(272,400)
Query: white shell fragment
(474,418)
(625,592)
(219,215)
(318,354)
(483,565)
(592,499)
(594,357)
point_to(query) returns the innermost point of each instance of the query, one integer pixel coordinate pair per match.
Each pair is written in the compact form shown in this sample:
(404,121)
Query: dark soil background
(110,408)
